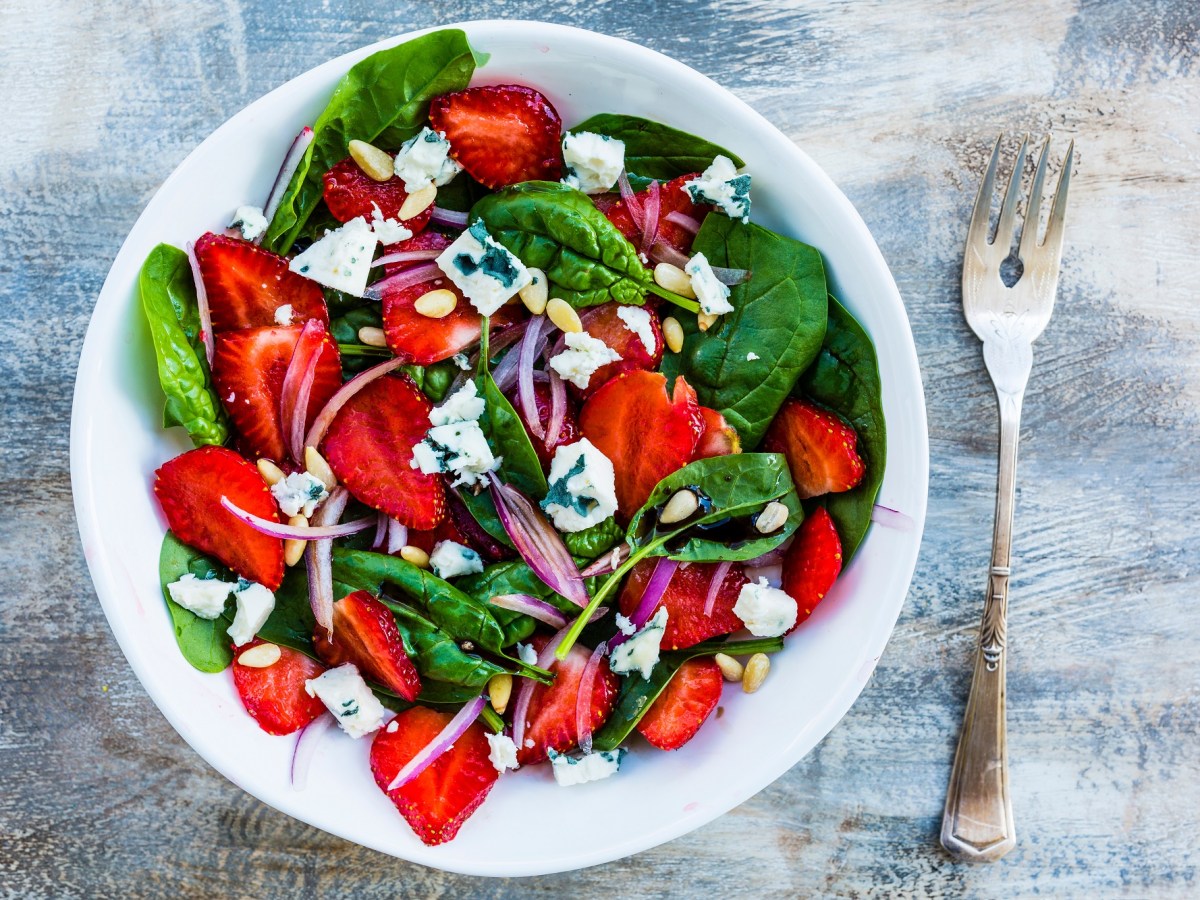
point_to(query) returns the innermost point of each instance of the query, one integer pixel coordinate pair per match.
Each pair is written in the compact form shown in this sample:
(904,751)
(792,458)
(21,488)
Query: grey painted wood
(899,101)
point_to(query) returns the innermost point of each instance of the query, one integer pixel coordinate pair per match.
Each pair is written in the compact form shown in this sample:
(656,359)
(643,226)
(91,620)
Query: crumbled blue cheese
(486,273)
(713,296)
(722,186)
(464,405)
(640,652)
(456,444)
(751,356)
(254,605)
(424,160)
(572,770)
(592,162)
(250,221)
(583,356)
(299,494)
(346,695)
(284,314)
(462,361)
(624,625)
(764,610)
(502,752)
(450,559)
(527,654)
(582,487)
(638,321)
(341,259)
(204,596)
(389,231)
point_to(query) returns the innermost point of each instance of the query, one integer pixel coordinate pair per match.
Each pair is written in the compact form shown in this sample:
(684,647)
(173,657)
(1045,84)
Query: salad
(511,440)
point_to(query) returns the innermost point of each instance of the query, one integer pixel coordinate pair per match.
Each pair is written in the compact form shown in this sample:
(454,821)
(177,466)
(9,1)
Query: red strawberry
(248,370)
(275,696)
(813,563)
(438,801)
(567,434)
(350,193)
(645,433)
(189,489)
(551,720)
(501,134)
(719,438)
(426,240)
(365,633)
(604,323)
(685,598)
(246,284)
(688,699)
(672,198)
(369,447)
(821,449)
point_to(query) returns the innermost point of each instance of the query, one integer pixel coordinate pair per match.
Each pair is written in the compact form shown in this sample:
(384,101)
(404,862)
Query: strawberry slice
(501,134)
(685,598)
(551,721)
(350,193)
(719,438)
(567,434)
(248,370)
(369,447)
(275,696)
(672,198)
(246,285)
(688,699)
(622,414)
(189,490)
(604,323)
(813,563)
(438,801)
(365,633)
(821,449)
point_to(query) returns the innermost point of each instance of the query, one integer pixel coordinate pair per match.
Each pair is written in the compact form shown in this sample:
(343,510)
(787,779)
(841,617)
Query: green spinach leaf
(203,642)
(655,150)
(591,542)
(435,654)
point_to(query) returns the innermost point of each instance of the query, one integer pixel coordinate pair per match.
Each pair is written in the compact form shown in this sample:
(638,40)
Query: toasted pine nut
(270,472)
(562,314)
(318,468)
(499,690)
(672,334)
(377,165)
(415,555)
(674,279)
(756,672)
(706,320)
(436,304)
(534,294)
(417,202)
(773,517)
(293,549)
(372,336)
(260,656)
(730,667)
(681,505)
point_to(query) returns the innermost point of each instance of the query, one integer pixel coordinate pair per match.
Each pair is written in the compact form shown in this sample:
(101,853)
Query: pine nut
(318,468)
(773,517)
(534,294)
(417,202)
(562,314)
(706,320)
(674,279)
(293,549)
(436,304)
(415,555)
(260,656)
(499,690)
(372,336)
(377,165)
(672,334)
(681,505)
(270,472)
(730,667)
(756,672)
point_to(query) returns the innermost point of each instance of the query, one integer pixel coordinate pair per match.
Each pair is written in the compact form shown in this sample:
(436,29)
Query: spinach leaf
(655,150)
(845,377)
(384,100)
(779,317)
(435,654)
(203,642)
(168,295)
(460,194)
(591,542)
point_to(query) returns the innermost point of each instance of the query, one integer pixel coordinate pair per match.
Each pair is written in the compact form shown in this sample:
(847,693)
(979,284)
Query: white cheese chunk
(637,320)
(203,596)
(486,273)
(299,494)
(764,610)
(284,314)
(464,405)
(592,162)
(502,752)
(341,259)
(450,559)
(713,296)
(582,487)
(456,444)
(254,605)
(346,695)
(721,185)
(389,231)
(250,221)
(751,356)
(570,771)
(424,160)
(625,626)
(527,654)
(640,652)
(583,356)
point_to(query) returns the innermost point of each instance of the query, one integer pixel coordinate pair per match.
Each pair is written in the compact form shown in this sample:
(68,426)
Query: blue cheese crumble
(484,270)
(250,221)
(203,596)
(638,321)
(388,231)
(592,162)
(284,314)
(640,652)
(456,444)
(346,695)
(502,752)
(751,356)
(583,356)
(341,259)
(424,160)
(299,494)
(527,654)
(582,487)
(254,605)
(450,559)
(722,186)
(712,294)
(573,770)
(764,610)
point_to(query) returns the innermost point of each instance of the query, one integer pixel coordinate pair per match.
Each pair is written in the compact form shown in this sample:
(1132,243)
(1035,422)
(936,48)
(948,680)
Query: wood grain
(899,101)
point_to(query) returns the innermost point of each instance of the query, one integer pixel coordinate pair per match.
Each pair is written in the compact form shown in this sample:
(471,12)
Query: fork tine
(1054,228)
(1029,231)
(978,230)
(1008,212)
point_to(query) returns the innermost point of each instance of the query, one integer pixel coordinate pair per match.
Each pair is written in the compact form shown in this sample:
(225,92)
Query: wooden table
(899,101)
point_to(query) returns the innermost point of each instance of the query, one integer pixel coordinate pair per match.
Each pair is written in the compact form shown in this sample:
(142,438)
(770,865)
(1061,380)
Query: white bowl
(528,825)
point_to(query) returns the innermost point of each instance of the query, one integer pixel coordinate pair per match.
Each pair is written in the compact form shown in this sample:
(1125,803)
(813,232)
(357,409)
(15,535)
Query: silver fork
(977,824)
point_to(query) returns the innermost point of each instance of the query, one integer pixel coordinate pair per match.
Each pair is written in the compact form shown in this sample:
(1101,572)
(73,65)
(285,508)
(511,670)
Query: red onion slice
(381,530)
(306,746)
(583,700)
(294,532)
(397,536)
(525,395)
(325,417)
(454,729)
(530,606)
(655,588)
(297,385)
(545,661)
(449,217)
(406,256)
(892,518)
(714,586)
(683,220)
(291,162)
(401,280)
(318,559)
(609,562)
(202,310)
(650,216)
(665,253)
(771,557)
(731,276)
(631,202)
(558,409)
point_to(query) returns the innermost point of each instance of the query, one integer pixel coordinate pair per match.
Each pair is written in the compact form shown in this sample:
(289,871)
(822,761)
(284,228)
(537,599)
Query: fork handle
(977,825)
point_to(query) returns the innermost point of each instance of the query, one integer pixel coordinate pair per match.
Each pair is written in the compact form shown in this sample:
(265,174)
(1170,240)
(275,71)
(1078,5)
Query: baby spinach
(203,642)
(655,150)
(291,623)
(746,365)
(591,542)
(384,100)
(435,654)
(845,377)
(168,295)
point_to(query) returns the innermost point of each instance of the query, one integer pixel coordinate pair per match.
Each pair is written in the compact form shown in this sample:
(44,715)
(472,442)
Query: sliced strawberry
(248,370)
(719,438)
(672,198)
(813,563)
(350,193)
(275,696)
(426,240)
(646,433)
(685,599)
(501,134)
(604,323)
(567,434)
(246,285)
(369,447)
(189,490)
(365,633)
(688,699)
(438,801)
(551,723)
(821,449)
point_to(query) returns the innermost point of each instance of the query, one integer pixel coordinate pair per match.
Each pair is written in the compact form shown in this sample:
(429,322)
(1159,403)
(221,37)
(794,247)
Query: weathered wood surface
(899,101)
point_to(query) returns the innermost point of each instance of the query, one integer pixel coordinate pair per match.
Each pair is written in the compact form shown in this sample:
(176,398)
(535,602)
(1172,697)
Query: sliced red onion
(505,373)
(297,385)
(731,276)
(496,343)
(892,518)
(771,557)
(454,729)
(291,162)
(397,536)
(530,606)
(650,216)
(406,256)
(525,395)
(381,530)
(525,692)
(773,574)
(583,700)
(631,201)
(404,279)
(655,588)
(558,409)
(683,220)
(318,559)
(609,562)
(661,252)
(714,586)
(306,746)
(326,416)
(297,532)
(449,217)
(202,310)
